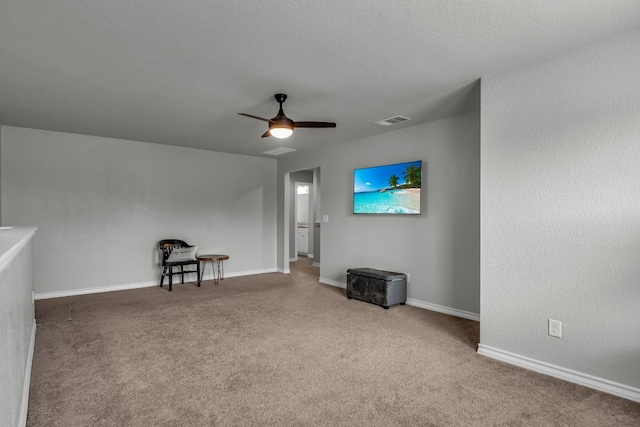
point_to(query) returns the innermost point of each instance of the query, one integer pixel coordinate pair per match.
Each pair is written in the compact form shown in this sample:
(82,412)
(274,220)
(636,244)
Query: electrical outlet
(325,218)
(555,328)
(408,278)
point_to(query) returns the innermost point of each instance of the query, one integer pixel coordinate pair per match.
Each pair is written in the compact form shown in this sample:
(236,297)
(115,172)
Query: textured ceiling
(178,72)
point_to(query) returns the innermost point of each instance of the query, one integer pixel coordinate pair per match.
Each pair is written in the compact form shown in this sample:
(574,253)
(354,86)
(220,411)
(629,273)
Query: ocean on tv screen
(387,202)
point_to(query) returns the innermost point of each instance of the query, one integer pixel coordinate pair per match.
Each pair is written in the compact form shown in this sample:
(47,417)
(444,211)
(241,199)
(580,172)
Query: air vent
(392,120)
(279,150)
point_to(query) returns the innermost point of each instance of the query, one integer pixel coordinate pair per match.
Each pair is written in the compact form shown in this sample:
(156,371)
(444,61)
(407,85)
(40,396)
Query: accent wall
(102,204)
(439,249)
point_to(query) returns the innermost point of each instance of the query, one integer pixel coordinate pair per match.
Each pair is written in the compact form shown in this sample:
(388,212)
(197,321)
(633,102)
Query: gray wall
(17,325)
(440,249)
(0,173)
(102,204)
(561,210)
(317,216)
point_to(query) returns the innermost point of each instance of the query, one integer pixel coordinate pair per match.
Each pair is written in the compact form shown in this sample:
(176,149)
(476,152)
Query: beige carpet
(283,350)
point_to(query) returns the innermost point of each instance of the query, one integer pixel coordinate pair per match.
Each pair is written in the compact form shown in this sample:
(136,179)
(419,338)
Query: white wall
(102,204)
(440,249)
(314,229)
(0,173)
(300,176)
(17,324)
(302,207)
(561,210)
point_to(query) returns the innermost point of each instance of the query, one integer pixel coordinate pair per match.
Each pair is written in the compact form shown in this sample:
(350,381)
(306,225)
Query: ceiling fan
(282,126)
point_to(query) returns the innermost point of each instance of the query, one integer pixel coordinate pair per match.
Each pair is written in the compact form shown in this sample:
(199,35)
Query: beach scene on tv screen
(388,189)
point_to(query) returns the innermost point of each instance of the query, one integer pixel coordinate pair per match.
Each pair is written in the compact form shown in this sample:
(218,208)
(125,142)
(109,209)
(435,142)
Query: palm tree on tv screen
(393,181)
(412,176)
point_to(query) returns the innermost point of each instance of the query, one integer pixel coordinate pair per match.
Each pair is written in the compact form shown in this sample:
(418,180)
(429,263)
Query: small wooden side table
(216,265)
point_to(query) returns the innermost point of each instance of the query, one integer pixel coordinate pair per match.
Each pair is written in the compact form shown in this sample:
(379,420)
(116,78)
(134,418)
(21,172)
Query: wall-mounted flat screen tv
(388,189)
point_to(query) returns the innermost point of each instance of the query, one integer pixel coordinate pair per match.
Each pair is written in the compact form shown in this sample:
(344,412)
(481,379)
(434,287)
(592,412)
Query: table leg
(217,268)
(216,271)
(203,269)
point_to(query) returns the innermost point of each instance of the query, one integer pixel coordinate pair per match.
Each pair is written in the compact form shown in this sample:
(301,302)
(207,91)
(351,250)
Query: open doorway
(303,219)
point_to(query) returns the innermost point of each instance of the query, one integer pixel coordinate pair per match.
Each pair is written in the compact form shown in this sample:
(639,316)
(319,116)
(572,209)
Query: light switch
(325,218)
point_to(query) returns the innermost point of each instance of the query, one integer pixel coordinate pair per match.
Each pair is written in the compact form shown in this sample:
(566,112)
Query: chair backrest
(166,246)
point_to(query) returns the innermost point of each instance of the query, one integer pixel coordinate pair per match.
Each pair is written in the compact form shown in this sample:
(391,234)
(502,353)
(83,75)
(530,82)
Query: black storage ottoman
(379,287)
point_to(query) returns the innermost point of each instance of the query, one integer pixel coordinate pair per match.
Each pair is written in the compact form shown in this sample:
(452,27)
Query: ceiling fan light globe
(281,132)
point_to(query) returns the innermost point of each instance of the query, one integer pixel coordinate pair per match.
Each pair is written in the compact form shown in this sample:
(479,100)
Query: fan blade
(314,125)
(256,117)
(266,134)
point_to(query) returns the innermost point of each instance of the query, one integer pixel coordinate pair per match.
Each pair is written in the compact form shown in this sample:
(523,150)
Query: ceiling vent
(392,120)
(279,150)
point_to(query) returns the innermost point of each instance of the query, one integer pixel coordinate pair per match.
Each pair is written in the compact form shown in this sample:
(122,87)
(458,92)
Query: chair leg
(198,272)
(162,273)
(182,273)
(170,278)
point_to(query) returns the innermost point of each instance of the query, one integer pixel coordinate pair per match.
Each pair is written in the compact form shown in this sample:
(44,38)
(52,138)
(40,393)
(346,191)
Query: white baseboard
(576,377)
(442,309)
(332,283)
(86,291)
(111,288)
(316,264)
(240,273)
(248,273)
(417,303)
(303,255)
(24,405)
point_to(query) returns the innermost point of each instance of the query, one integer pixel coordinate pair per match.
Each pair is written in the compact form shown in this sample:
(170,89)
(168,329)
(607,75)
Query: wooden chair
(165,247)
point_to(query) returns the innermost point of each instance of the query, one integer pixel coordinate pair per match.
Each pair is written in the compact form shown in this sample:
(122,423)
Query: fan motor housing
(281,122)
